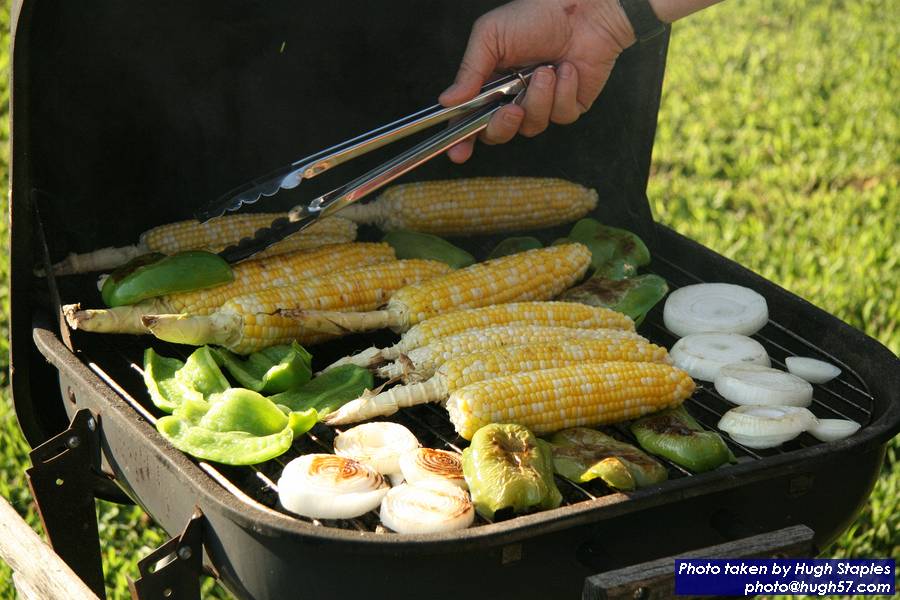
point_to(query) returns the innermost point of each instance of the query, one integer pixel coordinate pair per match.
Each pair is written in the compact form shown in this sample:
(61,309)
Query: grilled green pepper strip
(507,467)
(514,245)
(328,391)
(634,297)
(172,382)
(581,454)
(141,279)
(674,434)
(615,253)
(412,244)
(270,371)
(237,427)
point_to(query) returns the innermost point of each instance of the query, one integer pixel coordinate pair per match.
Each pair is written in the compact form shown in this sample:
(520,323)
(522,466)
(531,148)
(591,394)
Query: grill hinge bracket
(62,478)
(173,570)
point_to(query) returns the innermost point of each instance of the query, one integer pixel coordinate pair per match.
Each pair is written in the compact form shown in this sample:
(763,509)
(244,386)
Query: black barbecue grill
(128,116)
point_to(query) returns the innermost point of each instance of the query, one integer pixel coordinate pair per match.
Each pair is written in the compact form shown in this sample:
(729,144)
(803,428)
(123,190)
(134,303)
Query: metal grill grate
(117,360)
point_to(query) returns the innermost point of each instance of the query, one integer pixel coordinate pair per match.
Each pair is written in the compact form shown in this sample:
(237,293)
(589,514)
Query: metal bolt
(73,442)
(185,552)
(91,423)
(641,593)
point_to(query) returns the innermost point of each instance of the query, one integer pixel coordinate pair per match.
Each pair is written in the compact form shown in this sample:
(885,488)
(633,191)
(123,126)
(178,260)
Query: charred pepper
(676,435)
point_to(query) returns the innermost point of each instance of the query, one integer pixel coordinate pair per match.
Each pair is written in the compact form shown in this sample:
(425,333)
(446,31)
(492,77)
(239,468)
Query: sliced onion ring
(428,464)
(766,426)
(378,445)
(830,430)
(325,486)
(427,507)
(715,307)
(746,383)
(811,369)
(703,354)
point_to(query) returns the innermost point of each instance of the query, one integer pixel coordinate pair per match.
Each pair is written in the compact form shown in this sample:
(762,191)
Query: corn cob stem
(478,205)
(469,368)
(533,275)
(573,396)
(570,315)
(249,276)
(220,329)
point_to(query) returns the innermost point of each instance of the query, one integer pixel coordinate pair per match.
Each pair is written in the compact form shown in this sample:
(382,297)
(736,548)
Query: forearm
(672,10)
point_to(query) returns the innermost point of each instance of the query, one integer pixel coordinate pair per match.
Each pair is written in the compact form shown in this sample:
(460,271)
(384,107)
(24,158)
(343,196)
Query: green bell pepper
(615,253)
(581,454)
(507,467)
(674,434)
(329,391)
(514,245)
(412,244)
(270,371)
(172,382)
(634,297)
(145,277)
(236,427)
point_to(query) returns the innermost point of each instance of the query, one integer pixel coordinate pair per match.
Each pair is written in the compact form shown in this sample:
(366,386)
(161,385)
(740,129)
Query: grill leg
(64,470)
(173,570)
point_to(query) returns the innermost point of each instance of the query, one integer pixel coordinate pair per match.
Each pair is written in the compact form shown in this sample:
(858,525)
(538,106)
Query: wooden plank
(656,579)
(38,571)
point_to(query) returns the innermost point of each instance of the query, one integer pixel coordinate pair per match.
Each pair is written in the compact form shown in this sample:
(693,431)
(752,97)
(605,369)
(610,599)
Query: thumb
(476,67)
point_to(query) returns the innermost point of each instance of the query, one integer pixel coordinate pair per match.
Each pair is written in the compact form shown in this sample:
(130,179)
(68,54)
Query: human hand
(582,37)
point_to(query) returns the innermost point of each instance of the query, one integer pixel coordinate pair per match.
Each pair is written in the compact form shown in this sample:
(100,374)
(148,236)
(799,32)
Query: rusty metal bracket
(173,570)
(62,476)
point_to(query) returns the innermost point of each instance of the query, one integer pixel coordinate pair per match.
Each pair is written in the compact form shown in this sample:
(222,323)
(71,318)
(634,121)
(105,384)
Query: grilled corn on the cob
(533,275)
(254,321)
(540,314)
(249,276)
(212,236)
(478,366)
(582,395)
(479,205)
(422,362)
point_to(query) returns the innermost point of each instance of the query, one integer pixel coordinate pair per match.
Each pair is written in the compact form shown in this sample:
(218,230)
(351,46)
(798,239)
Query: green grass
(777,146)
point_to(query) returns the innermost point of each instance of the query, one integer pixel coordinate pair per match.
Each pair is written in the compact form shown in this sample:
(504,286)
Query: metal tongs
(473,116)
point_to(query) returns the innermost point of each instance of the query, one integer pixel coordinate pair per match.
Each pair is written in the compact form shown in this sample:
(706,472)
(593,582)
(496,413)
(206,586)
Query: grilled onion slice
(830,430)
(715,307)
(746,383)
(766,426)
(325,486)
(378,445)
(703,354)
(427,507)
(427,464)
(810,369)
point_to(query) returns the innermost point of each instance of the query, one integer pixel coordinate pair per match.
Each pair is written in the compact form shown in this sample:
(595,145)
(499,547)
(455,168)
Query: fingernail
(449,91)
(566,71)
(543,78)
(511,118)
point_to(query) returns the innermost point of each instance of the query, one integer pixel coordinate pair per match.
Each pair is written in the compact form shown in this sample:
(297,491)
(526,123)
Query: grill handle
(656,579)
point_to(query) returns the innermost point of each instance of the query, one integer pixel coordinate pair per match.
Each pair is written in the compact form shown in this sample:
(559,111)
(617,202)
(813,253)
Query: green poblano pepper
(634,297)
(615,253)
(507,467)
(172,382)
(514,245)
(412,244)
(674,434)
(143,278)
(581,454)
(270,371)
(236,427)
(329,391)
